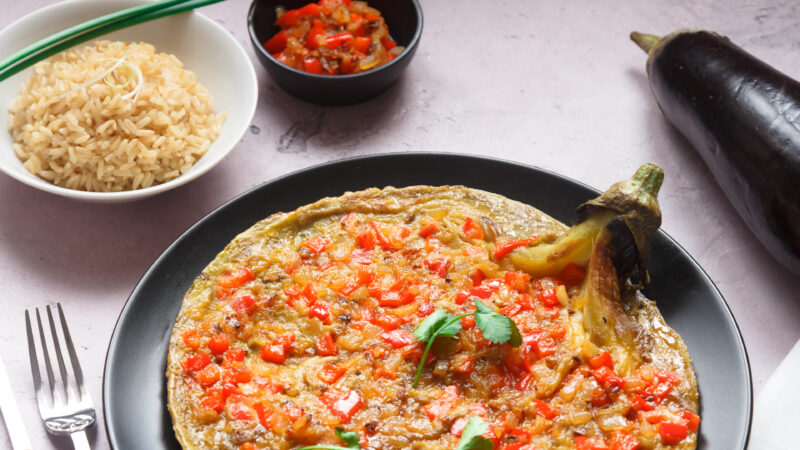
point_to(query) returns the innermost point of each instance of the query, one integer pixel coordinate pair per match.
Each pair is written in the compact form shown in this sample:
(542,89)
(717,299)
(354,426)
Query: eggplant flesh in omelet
(302,329)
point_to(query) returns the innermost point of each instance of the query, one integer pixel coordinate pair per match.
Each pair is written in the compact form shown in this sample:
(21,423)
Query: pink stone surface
(552,84)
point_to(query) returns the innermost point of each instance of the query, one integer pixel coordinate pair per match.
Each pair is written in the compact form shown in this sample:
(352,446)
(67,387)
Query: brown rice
(104,136)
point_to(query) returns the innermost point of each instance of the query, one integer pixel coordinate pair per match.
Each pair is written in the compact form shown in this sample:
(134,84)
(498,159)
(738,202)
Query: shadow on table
(337,130)
(57,242)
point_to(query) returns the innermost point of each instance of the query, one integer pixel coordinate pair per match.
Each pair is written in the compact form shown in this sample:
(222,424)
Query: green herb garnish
(496,328)
(471,438)
(352,441)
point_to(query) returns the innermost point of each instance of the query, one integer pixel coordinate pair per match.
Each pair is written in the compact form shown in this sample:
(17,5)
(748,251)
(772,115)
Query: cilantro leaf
(471,438)
(432,324)
(351,438)
(496,327)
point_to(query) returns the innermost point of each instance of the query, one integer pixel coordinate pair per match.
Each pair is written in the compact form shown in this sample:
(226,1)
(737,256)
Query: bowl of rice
(137,112)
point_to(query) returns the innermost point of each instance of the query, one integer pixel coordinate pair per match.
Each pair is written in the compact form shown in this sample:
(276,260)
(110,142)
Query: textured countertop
(552,84)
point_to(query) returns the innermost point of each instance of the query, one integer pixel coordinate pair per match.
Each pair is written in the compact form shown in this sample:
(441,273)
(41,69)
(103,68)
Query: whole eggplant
(743,118)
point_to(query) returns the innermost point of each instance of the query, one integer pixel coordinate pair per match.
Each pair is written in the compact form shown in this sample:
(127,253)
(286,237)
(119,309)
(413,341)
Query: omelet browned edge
(663,345)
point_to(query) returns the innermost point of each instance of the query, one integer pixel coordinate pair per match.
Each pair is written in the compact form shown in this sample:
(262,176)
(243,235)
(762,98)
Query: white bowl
(205,48)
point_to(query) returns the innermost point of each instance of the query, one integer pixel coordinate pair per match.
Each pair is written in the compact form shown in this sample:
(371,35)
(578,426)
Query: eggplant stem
(649,177)
(645,41)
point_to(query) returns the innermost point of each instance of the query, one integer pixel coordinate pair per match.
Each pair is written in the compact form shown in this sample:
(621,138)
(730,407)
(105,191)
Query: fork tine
(73,357)
(51,379)
(37,377)
(62,368)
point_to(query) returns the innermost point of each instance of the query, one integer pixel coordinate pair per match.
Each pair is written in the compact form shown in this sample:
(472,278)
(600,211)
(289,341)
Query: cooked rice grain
(95,139)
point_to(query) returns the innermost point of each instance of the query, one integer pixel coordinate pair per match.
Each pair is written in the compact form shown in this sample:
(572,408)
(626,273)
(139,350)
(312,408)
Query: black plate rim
(421,154)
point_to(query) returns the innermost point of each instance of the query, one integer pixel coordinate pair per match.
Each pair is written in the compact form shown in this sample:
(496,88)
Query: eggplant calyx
(634,202)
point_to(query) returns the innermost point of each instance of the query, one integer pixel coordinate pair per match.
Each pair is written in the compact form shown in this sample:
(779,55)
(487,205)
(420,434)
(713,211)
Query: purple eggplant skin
(743,117)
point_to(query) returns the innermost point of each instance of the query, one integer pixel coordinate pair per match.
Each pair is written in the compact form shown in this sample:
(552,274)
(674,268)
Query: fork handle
(79,441)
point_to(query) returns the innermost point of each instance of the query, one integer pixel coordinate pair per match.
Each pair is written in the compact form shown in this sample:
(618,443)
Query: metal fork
(60,416)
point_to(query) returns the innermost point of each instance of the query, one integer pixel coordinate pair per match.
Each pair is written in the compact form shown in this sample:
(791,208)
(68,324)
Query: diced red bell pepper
(244,303)
(484,291)
(294,293)
(458,426)
(472,229)
(236,278)
(273,419)
(209,375)
(342,404)
(603,359)
(463,364)
(639,404)
(326,346)
(468,322)
(572,274)
(518,436)
(387,321)
(347,406)
(548,297)
(545,410)
(330,373)
(321,311)
(379,236)
(234,355)
(430,227)
(693,420)
(213,400)
(218,344)
(361,256)
(517,280)
(540,342)
(277,43)
(190,339)
(398,338)
(366,238)
(388,44)
(237,375)
(672,433)
(438,266)
(312,65)
(477,276)
(394,299)
(347,65)
(584,443)
(195,362)
(263,412)
(623,441)
(511,310)
(316,244)
(291,17)
(443,404)
(501,250)
(607,377)
(335,40)
(274,353)
(285,340)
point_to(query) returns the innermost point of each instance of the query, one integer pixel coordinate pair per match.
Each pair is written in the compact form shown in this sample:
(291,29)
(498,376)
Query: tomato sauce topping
(333,37)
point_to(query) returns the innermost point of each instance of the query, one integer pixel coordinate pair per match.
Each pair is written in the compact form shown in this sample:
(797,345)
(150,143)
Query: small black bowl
(404,19)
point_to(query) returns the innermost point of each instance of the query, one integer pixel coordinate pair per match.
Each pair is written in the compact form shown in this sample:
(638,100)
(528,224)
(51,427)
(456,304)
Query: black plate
(134,387)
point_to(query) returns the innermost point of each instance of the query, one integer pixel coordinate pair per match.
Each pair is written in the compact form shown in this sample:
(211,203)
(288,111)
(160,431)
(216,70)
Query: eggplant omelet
(301,332)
